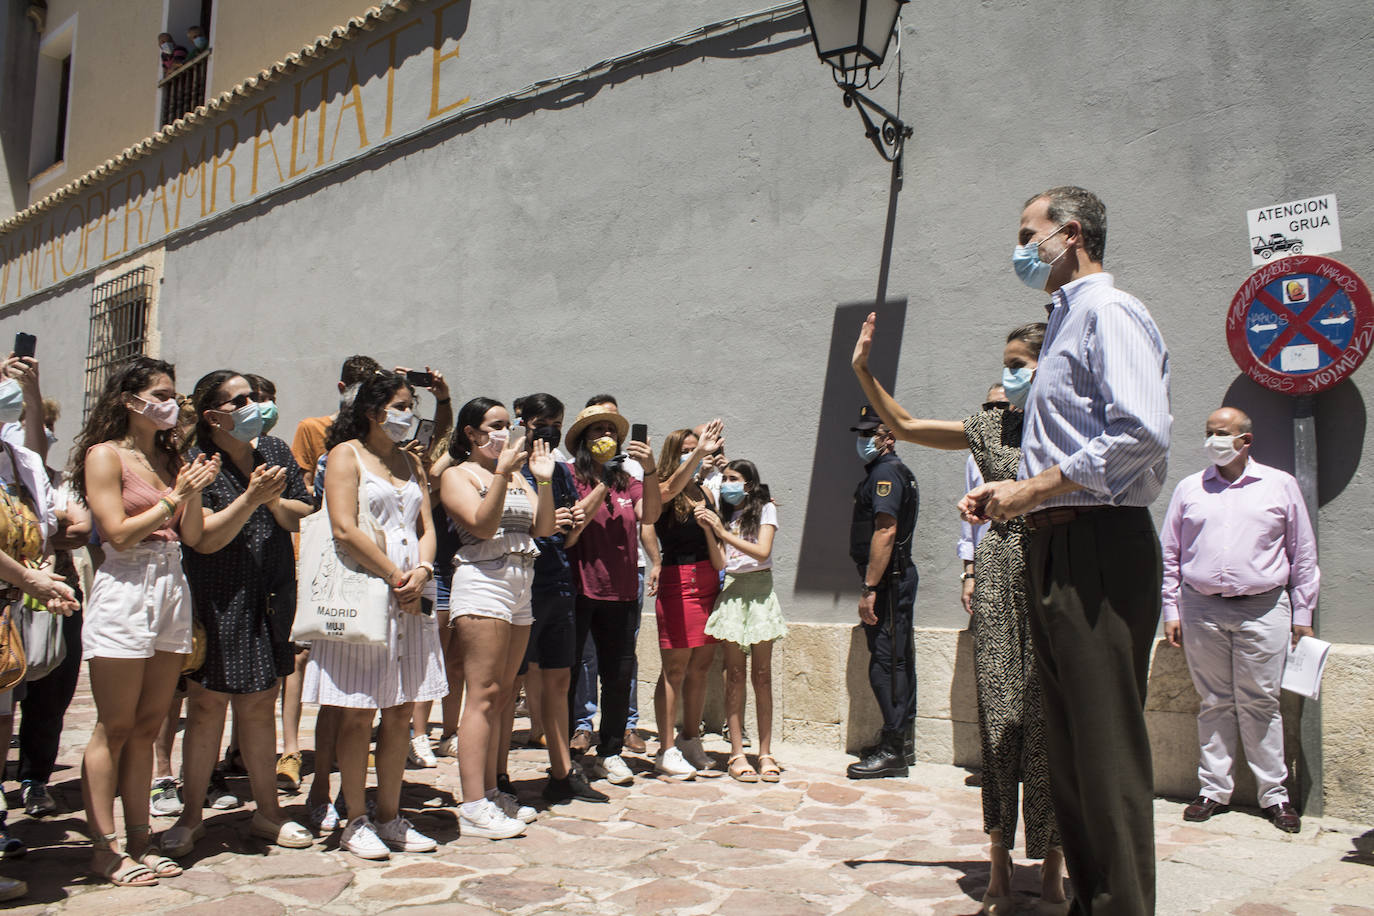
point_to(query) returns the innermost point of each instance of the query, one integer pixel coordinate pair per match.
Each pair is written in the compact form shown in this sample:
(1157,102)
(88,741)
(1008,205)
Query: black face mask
(550,434)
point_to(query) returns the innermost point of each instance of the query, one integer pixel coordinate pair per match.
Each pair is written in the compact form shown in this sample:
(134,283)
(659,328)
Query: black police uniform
(889,488)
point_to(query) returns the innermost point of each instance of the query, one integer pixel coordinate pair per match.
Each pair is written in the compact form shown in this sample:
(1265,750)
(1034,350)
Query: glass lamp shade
(852,34)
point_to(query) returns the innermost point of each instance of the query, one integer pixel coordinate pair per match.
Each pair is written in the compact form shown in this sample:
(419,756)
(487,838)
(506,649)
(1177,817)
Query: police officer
(885,507)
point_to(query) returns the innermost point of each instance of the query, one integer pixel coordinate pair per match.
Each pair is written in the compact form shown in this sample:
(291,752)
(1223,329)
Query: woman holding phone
(498,515)
(685,578)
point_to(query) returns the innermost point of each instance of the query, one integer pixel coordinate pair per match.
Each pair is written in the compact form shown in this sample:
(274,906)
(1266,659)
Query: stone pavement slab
(814,843)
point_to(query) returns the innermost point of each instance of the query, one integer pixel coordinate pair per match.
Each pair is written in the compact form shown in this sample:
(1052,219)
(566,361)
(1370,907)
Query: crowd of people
(493,551)
(497,543)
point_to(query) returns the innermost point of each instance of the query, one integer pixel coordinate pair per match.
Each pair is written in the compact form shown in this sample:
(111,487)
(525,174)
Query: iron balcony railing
(183,89)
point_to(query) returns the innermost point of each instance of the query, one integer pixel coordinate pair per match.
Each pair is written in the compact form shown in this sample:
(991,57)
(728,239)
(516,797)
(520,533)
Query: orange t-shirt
(308,445)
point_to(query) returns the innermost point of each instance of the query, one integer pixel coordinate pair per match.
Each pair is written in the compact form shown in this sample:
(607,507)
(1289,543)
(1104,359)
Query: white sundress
(410,667)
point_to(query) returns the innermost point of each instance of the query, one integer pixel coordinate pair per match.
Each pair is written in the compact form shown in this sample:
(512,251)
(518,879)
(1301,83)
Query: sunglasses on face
(239,402)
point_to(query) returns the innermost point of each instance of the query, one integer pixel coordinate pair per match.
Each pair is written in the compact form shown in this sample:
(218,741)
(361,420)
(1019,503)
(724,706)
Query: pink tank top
(139,496)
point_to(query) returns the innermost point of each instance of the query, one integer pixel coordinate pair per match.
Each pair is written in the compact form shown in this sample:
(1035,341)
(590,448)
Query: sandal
(152,857)
(770,771)
(131,875)
(745,773)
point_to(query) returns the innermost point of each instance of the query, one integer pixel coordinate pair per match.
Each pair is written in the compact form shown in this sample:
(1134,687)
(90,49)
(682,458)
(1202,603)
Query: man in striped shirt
(1094,454)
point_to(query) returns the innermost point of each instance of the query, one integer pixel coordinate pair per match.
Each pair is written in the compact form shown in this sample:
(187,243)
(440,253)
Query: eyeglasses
(239,402)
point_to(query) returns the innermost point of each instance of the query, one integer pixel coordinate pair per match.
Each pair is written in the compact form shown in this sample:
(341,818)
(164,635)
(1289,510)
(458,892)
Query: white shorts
(139,604)
(497,588)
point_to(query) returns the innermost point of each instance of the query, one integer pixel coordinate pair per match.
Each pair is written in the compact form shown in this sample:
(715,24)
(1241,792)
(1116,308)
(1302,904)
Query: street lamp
(853,37)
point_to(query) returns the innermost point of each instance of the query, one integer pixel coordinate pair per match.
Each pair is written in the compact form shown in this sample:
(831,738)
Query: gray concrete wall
(682,235)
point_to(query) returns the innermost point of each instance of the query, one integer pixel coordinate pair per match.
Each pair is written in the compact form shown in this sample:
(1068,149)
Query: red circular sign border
(1310,382)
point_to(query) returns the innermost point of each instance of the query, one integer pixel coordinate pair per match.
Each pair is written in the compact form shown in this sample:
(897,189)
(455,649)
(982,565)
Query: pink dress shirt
(1240,538)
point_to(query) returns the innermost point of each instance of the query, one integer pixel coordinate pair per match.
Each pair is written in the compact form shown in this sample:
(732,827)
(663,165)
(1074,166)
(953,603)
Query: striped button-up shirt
(1099,405)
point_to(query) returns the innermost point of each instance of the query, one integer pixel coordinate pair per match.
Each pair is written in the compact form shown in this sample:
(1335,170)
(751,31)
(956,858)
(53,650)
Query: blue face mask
(1017,383)
(732,491)
(11,401)
(247,423)
(682,459)
(268,409)
(1025,260)
(868,448)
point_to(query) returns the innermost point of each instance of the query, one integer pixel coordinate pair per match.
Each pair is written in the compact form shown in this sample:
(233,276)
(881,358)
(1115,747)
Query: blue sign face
(1299,323)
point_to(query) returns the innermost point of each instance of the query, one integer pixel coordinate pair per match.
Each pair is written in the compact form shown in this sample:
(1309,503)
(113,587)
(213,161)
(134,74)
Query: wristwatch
(964,577)
(865,590)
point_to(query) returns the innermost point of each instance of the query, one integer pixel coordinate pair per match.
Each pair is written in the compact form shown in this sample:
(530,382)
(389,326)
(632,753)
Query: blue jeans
(584,698)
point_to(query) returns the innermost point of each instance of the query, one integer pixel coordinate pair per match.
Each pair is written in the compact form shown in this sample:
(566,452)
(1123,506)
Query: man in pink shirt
(1240,580)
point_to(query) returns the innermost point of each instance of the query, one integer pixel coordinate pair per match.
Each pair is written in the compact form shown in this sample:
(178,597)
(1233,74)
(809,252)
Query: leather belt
(1059,515)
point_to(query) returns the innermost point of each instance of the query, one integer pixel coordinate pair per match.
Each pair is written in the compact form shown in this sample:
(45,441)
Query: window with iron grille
(119,326)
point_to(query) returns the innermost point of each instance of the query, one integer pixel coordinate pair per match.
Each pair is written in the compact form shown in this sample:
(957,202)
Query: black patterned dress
(1011,720)
(245,593)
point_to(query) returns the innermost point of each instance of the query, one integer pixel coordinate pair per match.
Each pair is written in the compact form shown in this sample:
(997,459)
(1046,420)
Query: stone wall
(822,697)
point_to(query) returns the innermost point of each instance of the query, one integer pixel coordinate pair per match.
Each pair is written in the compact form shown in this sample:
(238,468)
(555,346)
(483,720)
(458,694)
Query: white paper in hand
(1306,661)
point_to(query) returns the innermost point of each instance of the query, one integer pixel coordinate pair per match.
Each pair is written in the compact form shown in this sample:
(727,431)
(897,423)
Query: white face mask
(398,424)
(1222,450)
(496,440)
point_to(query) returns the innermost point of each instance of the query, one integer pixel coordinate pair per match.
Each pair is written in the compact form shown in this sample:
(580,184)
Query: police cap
(868,420)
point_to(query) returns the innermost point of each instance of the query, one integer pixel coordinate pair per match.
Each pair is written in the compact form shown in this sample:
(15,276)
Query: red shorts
(686,597)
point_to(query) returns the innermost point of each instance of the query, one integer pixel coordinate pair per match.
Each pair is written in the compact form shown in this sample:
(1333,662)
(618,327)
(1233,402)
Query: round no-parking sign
(1301,325)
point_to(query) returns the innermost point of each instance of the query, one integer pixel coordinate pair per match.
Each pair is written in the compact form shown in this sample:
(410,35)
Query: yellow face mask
(602,448)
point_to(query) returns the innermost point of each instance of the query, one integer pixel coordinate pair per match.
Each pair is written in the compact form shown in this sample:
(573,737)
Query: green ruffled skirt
(747,610)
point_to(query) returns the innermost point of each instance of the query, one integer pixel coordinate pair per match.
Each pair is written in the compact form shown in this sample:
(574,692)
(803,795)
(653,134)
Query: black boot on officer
(888,758)
(908,745)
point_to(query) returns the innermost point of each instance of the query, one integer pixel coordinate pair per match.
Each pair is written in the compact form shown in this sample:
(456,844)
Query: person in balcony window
(173,54)
(199,42)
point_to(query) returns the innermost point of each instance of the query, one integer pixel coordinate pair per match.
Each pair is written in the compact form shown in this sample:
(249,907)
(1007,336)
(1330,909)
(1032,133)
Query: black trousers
(894,685)
(612,625)
(44,705)
(1095,604)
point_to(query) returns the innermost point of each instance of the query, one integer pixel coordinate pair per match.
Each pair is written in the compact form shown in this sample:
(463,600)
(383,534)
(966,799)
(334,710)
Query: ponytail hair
(471,414)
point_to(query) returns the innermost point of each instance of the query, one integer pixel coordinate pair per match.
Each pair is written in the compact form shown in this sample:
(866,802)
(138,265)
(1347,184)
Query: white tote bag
(335,597)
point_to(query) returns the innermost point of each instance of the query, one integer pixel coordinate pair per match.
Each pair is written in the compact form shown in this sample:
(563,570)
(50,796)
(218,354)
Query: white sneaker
(401,836)
(323,819)
(488,822)
(510,806)
(693,753)
(613,769)
(448,746)
(420,755)
(360,838)
(671,763)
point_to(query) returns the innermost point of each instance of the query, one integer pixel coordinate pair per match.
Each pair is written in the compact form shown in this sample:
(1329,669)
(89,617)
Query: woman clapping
(243,580)
(137,630)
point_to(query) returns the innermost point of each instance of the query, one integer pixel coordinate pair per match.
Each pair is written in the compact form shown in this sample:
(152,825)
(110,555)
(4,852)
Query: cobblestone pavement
(814,843)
